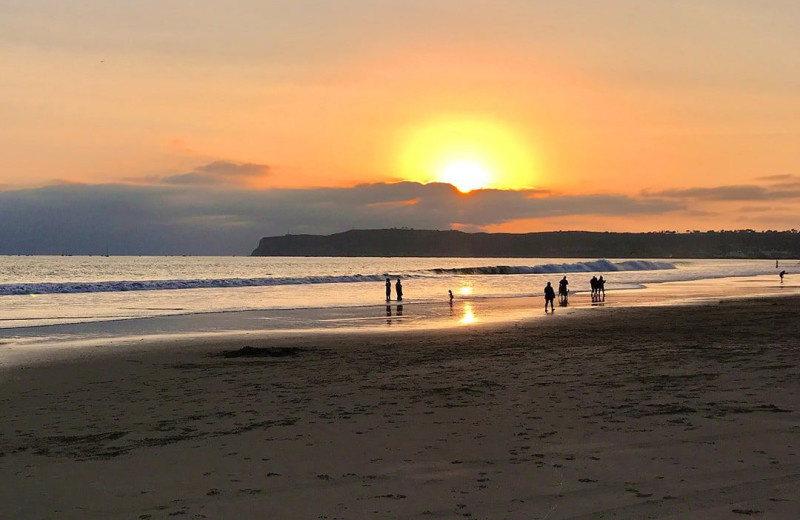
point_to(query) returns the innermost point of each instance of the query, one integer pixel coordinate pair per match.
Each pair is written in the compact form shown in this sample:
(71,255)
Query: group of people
(598,286)
(398,287)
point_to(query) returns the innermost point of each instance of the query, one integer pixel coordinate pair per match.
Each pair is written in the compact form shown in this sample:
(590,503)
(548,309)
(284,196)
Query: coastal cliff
(574,244)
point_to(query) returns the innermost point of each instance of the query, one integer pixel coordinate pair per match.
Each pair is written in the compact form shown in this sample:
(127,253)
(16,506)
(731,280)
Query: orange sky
(615,97)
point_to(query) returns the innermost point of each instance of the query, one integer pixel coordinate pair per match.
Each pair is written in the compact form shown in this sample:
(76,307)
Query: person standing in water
(398,287)
(450,293)
(388,289)
(549,296)
(562,288)
(781,275)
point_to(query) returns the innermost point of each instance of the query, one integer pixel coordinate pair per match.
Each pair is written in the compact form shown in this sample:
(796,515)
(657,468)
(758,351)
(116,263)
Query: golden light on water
(465,291)
(469,154)
(469,316)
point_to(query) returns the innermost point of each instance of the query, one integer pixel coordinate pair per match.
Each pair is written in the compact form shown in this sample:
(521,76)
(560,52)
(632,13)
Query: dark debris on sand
(250,352)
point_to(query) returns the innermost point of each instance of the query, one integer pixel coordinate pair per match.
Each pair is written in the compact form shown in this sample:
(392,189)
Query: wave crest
(577,267)
(160,285)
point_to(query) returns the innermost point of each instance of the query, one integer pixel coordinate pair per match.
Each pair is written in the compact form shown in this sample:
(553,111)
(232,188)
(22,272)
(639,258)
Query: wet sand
(677,412)
(384,317)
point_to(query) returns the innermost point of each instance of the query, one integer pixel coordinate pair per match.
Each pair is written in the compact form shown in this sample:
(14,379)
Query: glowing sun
(465,175)
(469,153)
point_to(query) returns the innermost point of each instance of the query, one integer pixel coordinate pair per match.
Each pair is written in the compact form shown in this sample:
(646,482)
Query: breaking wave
(578,267)
(161,285)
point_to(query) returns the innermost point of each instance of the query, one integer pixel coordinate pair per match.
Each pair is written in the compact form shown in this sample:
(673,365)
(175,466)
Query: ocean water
(38,291)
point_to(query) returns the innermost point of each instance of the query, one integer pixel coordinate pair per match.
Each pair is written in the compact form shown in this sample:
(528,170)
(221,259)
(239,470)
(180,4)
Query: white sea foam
(160,285)
(599,266)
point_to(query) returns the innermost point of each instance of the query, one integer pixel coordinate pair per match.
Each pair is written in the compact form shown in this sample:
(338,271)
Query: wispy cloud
(217,173)
(742,192)
(783,177)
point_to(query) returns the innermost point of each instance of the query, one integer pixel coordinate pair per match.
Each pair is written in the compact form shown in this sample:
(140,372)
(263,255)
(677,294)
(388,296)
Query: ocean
(37,291)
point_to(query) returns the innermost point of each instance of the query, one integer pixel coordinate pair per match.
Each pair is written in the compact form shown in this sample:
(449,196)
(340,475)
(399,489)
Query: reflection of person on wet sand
(781,275)
(388,289)
(398,287)
(549,296)
(399,310)
(450,293)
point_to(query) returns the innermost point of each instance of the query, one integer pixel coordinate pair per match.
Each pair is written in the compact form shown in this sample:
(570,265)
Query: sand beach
(680,412)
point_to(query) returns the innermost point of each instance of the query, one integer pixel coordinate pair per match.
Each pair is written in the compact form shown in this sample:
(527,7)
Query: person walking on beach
(601,286)
(593,284)
(388,289)
(549,296)
(398,287)
(781,275)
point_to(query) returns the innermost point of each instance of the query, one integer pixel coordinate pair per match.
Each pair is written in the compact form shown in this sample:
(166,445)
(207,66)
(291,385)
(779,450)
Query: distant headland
(569,244)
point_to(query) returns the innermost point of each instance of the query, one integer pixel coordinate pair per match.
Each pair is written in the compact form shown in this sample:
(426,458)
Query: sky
(192,127)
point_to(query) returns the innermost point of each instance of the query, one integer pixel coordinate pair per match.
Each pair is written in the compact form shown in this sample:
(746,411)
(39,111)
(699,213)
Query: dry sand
(674,412)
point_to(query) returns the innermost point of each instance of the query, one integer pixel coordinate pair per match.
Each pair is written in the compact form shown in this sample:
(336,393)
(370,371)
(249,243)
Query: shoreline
(20,345)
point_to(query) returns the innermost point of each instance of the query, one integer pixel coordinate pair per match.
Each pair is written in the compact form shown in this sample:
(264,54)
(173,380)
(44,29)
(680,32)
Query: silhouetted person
(388,289)
(562,289)
(450,293)
(601,286)
(593,284)
(398,287)
(776,264)
(781,275)
(549,296)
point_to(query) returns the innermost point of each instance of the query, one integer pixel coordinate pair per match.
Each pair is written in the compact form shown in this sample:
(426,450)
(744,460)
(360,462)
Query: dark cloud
(196,219)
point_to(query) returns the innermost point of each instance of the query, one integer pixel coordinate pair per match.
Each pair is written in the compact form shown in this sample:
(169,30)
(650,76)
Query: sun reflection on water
(469,316)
